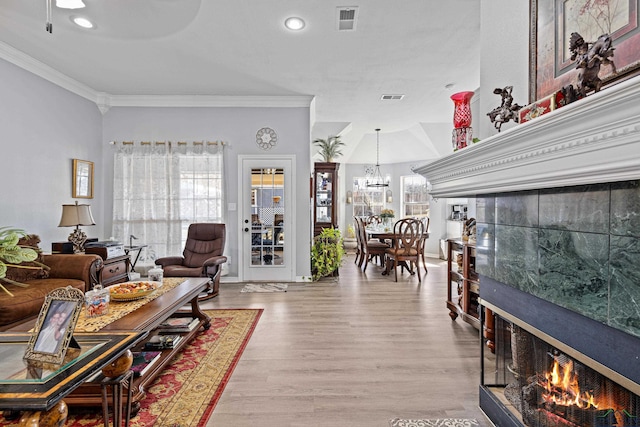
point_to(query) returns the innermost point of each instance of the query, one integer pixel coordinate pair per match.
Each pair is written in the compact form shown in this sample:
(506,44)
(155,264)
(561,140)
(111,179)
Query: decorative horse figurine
(588,58)
(507,109)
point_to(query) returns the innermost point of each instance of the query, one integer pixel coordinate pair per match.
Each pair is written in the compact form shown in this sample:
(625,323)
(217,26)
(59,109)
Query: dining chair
(372,247)
(356,227)
(408,235)
(373,220)
(425,235)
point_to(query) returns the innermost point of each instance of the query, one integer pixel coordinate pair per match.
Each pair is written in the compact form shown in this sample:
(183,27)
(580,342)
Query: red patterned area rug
(187,391)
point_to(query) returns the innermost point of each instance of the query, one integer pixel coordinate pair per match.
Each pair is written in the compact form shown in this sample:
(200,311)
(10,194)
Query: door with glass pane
(266,219)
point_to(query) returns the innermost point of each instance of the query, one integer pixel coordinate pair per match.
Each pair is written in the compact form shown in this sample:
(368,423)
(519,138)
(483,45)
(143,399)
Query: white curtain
(161,188)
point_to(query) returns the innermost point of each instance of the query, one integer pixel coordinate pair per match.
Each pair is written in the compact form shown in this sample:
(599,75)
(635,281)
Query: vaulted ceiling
(422,49)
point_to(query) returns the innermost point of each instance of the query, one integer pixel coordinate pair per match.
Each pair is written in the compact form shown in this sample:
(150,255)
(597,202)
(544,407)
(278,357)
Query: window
(160,188)
(415,198)
(367,200)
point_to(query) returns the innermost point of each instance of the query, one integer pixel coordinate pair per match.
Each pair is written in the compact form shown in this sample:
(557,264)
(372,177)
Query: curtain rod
(169,143)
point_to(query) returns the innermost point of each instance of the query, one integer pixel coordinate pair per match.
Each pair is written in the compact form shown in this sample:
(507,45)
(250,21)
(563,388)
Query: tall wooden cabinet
(325,193)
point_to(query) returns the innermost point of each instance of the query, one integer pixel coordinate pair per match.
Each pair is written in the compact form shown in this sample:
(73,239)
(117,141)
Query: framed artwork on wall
(551,25)
(82,179)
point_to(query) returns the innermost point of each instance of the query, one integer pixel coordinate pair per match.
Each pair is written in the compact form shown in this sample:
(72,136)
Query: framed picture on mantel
(551,25)
(82,179)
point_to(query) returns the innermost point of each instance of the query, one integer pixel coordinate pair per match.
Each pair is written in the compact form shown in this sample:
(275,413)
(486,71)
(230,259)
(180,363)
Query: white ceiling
(241,48)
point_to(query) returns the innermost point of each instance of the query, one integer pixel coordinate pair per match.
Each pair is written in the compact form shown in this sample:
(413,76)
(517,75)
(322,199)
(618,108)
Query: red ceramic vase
(462,109)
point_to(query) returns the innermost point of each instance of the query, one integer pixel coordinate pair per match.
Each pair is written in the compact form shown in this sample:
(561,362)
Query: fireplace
(540,385)
(558,252)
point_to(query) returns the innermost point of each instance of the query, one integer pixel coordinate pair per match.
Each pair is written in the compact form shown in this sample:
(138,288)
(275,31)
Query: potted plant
(330,148)
(387,216)
(13,254)
(327,253)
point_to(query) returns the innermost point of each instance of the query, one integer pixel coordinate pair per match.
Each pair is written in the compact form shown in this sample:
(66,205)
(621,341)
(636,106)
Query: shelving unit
(463,285)
(463,288)
(325,184)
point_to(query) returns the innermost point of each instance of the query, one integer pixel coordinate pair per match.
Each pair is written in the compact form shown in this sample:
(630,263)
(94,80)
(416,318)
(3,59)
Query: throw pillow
(18,274)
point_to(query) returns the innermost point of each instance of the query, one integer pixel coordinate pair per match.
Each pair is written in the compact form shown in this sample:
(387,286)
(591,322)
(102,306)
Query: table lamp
(75,216)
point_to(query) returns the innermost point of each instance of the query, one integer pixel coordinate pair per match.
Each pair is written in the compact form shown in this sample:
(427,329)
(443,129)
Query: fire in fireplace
(553,389)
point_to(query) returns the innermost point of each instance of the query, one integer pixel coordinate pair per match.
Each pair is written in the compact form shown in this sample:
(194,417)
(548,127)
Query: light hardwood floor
(356,351)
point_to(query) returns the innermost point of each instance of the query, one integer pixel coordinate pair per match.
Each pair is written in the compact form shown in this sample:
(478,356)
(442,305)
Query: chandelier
(375,179)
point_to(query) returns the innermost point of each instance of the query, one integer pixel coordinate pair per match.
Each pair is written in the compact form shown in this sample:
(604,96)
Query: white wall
(42,128)
(237,127)
(504,58)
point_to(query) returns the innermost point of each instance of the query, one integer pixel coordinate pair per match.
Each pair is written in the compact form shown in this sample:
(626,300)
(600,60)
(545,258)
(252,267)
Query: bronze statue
(507,109)
(588,57)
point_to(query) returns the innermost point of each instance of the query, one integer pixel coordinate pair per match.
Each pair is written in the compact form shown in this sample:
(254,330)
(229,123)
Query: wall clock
(369,170)
(266,138)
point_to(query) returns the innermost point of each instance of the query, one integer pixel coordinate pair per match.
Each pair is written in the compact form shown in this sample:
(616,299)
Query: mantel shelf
(593,140)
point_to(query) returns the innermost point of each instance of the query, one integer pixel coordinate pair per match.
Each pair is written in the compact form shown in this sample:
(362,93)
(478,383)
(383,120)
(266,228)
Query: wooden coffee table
(147,318)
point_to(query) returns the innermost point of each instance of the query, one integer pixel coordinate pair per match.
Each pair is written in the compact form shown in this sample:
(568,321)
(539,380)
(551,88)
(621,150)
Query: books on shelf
(143,361)
(161,342)
(178,324)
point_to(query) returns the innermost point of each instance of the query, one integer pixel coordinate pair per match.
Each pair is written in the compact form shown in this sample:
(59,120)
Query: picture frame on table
(553,21)
(82,179)
(53,333)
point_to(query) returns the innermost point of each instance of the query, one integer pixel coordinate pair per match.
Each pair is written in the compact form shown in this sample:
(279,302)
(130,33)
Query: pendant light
(376,180)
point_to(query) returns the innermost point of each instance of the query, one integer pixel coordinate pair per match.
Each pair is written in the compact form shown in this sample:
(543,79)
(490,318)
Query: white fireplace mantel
(593,140)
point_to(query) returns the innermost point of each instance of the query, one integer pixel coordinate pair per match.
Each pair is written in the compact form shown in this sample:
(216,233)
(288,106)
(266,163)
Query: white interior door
(266,218)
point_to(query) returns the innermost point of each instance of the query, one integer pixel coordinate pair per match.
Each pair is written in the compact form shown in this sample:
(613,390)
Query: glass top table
(38,386)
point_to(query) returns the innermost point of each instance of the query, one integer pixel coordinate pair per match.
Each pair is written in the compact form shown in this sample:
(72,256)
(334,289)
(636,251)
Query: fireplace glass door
(545,387)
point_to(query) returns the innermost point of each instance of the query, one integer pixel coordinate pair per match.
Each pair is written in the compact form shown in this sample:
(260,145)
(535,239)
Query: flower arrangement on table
(387,213)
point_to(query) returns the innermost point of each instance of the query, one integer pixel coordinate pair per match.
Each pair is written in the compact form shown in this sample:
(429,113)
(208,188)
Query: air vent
(347,17)
(391,97)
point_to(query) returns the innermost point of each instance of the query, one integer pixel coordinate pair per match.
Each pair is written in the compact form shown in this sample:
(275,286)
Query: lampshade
(376,179)
(75,215)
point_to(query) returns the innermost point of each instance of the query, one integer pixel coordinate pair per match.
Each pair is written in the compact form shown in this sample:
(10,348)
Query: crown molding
(291,101)
(104,100)
(593,140)
(26,62)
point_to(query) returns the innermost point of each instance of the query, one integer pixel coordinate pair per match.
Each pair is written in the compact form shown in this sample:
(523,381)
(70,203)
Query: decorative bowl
(130,291)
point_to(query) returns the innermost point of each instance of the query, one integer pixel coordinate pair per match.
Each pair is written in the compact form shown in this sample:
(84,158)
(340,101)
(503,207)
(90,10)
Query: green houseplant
(330,148)
(327,253)
(13,254)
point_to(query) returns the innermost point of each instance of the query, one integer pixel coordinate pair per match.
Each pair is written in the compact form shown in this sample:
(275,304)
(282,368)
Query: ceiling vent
(347,17)
(391,97)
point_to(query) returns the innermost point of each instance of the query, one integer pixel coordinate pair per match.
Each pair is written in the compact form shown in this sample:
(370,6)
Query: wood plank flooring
(356,351)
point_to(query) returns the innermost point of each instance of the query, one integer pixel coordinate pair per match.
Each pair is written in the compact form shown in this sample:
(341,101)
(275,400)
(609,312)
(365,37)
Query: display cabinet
(325,183)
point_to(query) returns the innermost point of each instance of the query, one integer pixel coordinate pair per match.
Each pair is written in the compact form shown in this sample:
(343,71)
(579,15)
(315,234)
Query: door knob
(246,229)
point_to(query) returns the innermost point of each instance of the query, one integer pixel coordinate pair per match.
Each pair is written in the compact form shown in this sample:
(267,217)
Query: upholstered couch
(81,271)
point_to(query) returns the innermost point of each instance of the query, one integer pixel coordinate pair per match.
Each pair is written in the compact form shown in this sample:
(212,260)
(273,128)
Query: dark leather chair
(202,256)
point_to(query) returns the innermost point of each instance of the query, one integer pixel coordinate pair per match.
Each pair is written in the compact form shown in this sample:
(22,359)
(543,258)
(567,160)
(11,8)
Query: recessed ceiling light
(70,4)
(82,22)
(294,23)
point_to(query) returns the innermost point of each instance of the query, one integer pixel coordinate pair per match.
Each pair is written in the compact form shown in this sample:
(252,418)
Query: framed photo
(82,179)
(551,25)
(53,333)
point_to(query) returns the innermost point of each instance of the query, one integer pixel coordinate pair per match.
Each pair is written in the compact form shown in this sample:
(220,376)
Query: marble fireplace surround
(572,170)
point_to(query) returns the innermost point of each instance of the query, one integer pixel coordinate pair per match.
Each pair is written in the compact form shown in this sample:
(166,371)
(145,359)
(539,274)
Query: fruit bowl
(130,291)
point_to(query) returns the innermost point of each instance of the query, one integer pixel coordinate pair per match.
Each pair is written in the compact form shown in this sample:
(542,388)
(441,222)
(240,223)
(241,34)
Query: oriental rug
(443,422)
(265,287)
(186,392)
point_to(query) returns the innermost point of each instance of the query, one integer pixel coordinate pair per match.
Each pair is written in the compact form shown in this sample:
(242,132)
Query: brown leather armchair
(202,256)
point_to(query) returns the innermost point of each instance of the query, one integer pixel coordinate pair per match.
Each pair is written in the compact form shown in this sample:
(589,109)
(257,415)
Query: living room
(45,125)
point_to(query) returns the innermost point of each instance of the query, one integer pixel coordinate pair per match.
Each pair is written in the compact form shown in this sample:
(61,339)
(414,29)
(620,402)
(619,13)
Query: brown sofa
(80,271)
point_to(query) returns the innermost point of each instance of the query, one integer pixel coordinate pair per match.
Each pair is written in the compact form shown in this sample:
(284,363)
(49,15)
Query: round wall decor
(266,138)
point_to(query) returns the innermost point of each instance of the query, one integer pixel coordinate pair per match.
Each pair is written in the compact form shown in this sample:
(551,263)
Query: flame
(561,387)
